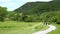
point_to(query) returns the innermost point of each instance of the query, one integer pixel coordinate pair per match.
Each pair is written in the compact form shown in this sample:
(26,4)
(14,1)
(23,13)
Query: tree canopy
(3,12)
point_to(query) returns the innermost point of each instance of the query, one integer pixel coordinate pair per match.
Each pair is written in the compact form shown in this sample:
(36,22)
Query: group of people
(47,23)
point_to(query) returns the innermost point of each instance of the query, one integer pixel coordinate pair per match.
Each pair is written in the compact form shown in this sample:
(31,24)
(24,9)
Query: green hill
(39,7)
(31,11)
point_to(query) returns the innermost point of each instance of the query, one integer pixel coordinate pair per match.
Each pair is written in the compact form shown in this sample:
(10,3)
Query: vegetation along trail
(52,27)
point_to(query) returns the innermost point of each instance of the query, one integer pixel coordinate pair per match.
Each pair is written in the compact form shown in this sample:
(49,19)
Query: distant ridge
(39,7)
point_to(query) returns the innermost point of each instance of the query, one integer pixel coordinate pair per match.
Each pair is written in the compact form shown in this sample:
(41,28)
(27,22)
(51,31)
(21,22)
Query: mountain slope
(39,7)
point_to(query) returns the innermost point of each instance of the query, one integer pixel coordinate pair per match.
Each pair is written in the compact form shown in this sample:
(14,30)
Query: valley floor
(13,27)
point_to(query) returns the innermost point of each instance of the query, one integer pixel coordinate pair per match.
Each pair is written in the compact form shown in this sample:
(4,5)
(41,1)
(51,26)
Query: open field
(13,27)
(57,31)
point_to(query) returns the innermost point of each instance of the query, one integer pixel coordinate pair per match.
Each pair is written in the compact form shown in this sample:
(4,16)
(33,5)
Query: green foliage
(3,12)
(24,17)
(51,17)
(1,18)
(40,11)
(36,8)
(34,12)
(13,16)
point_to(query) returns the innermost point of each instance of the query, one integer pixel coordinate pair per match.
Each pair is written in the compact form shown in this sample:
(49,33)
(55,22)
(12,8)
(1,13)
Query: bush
(58,22)
(1,18)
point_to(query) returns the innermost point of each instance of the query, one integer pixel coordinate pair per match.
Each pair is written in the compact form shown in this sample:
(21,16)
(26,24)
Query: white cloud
(39,0)
(4,0)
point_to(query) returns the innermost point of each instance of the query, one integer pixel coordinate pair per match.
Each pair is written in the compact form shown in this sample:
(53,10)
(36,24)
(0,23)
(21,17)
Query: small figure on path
(46,23)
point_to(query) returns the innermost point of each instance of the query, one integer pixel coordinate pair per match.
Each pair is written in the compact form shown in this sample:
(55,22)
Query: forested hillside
(39,7)
(31,11)
(51,17)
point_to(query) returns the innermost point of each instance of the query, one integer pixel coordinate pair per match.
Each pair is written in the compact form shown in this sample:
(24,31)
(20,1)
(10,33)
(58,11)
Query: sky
(14,4)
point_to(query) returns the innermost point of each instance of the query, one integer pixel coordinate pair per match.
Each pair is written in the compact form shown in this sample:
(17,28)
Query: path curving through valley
(51,28)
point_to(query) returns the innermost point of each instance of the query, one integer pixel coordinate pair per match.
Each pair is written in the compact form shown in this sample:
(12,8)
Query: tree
(3,12)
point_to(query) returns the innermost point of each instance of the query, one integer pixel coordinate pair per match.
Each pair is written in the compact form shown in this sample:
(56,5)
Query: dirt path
(52,27)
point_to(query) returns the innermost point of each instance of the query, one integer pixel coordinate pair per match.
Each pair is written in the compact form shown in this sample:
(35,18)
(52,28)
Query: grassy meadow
(14,27)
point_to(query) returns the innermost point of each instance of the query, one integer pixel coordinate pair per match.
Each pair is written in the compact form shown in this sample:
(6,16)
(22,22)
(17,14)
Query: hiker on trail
(47,23)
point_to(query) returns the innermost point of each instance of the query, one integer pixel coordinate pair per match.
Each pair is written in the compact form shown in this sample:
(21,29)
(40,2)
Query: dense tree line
(53,17)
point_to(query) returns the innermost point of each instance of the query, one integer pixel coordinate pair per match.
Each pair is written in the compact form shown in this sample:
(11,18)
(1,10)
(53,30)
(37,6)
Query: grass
(13,27)
(57,31)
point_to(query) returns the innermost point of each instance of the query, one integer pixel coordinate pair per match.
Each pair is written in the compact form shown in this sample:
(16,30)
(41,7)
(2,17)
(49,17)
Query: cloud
(39,0)
(12,4)
(5,0)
